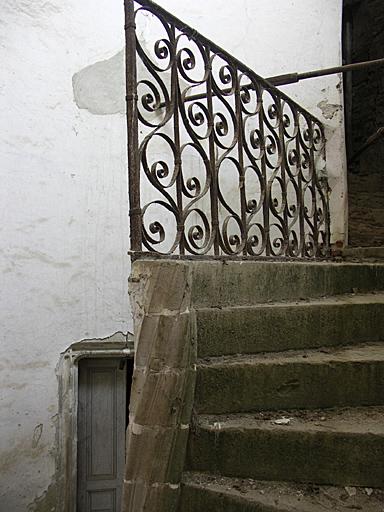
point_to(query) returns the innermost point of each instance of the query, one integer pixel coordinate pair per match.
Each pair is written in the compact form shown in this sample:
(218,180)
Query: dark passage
(363,39)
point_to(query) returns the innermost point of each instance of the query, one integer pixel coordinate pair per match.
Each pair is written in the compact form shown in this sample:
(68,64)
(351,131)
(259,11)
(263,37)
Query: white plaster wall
(64,234)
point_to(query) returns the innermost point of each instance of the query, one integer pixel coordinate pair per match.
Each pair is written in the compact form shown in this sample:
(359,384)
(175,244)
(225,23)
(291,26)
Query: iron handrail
(215,48)
(285,214)
(291,78)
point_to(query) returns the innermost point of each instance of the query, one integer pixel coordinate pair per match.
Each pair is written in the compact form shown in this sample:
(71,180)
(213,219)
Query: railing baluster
(266,205)
(132,128)
(240,156)
(175,101)
(212,162)
(192,99)
(301,240)
(314,190)
(283,165)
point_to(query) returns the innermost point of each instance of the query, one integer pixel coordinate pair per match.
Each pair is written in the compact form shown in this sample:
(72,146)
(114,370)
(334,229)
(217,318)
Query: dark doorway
(363,39)
(104,385)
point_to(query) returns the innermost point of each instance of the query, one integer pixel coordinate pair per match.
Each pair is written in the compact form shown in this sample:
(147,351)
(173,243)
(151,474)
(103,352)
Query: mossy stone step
(297,325)
(211,493)
(340,447)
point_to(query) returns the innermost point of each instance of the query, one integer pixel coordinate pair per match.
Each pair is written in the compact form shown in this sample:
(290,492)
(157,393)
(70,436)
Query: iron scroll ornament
(221,163)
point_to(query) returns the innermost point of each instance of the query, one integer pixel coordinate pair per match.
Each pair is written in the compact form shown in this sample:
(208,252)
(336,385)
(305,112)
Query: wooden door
(101,434)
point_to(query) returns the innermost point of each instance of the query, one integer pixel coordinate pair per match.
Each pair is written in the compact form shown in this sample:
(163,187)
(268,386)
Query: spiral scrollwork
(228,164)
(198,232)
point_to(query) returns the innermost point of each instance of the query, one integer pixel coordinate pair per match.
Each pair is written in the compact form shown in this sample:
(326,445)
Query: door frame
(117,346)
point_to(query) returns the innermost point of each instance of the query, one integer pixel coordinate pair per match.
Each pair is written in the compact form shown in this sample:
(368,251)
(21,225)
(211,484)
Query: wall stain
(26,254)
(21,451)
(37,433)
(329,110)
(37,365)
(100,87)
(15,386)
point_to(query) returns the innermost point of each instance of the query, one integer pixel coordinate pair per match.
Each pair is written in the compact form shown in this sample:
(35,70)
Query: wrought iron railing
(221,163)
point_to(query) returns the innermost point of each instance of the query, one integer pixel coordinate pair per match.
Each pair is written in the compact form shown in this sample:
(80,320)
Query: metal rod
(292,78)
(193,34)
(274,80)
(132,127)
(240,158)
(176,137)
(212,164)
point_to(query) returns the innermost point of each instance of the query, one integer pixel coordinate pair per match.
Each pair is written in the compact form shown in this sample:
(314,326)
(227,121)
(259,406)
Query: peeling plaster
(99,88)
(46,502)
(116,340)
(329,110)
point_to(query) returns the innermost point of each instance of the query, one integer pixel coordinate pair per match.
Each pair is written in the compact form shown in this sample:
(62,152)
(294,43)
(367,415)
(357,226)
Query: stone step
(212,493)
(340,447)
(244,283)
(307,379)
(363,253)
(339,320)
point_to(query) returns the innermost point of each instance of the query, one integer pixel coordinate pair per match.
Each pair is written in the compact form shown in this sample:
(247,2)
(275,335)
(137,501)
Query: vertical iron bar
(314,187)
(243,198)
(300,185)
(326,189)
(175,101)
(327,218)
(283,165)
(266,201)
(132,128)
(214,185)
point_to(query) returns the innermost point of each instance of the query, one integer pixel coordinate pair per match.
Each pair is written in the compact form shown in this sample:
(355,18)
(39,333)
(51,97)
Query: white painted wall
(64,234)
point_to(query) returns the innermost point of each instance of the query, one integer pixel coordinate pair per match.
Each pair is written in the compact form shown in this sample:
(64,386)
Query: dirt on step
(293,497)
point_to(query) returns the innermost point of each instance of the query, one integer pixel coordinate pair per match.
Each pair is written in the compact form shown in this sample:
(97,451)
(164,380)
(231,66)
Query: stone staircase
(289,398)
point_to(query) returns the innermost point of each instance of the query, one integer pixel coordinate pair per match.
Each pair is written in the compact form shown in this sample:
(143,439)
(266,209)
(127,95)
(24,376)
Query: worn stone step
(272,327)
(236,283)
(212,493)
(306,379)
(363,253)
(338,447)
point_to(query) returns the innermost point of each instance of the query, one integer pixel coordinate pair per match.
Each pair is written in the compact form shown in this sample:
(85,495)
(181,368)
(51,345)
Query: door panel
(102,501)
(101,434)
